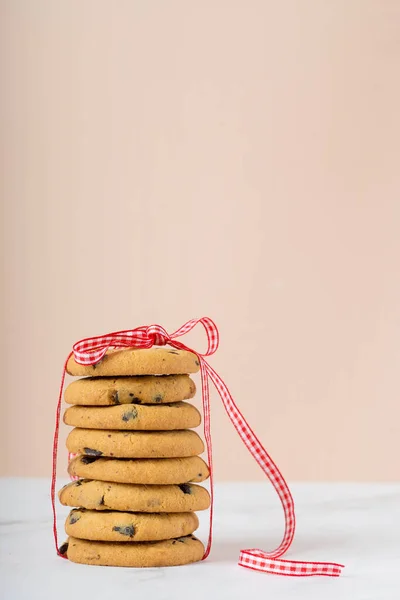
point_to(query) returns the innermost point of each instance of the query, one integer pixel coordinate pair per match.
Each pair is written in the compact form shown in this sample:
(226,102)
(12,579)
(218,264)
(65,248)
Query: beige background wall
(239,159)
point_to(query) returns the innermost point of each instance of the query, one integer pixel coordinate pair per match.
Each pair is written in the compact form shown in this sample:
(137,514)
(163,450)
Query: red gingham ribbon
(91,350)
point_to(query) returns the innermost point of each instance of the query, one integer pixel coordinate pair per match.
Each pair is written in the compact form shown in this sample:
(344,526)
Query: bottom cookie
(168,553)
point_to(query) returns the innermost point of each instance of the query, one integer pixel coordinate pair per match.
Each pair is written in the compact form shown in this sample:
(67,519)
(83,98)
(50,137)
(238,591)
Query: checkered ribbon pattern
(90,351)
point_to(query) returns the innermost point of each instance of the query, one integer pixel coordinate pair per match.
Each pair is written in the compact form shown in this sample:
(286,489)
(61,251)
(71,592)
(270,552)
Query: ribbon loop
(211,332)
(91,350)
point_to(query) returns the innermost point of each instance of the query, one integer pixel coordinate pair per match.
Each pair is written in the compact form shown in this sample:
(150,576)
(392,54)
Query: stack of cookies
(137,458)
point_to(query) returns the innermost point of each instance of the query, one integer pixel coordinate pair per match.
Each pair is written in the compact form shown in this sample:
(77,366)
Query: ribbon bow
(91,351)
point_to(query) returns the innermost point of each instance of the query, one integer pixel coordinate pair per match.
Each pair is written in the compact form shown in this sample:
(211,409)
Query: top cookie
(144,361)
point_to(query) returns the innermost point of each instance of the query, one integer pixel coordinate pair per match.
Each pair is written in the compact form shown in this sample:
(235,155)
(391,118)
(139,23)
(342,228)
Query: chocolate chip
(109,435)
(158,397)
(197,363)
(63,548)
(173,352)
(79,482)
(87,460)
(115,397)
(130,415)
(174,542)
(135,399)
(74,517)
(182,540)
(128,530)
(200,475)
(92,452)
(101,503)
(185,487)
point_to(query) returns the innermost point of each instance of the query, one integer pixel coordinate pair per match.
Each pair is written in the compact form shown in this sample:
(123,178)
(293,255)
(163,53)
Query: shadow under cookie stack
(137,460)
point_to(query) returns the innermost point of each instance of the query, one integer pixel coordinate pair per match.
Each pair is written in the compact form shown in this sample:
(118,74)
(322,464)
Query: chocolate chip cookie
(178,551)
(148,361)
(151,389)
(134,444)
(112,526)
(164,417)
(141,471)
(105,495)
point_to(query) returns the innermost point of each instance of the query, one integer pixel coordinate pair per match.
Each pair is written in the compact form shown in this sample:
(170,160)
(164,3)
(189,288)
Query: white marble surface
(356,524)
